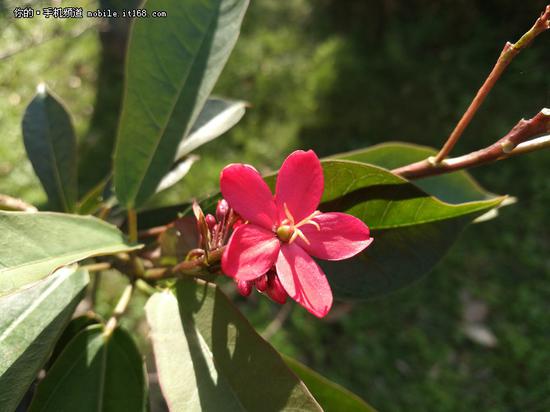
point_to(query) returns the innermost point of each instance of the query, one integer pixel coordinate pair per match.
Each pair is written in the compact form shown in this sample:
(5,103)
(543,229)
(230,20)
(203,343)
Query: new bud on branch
(274,249)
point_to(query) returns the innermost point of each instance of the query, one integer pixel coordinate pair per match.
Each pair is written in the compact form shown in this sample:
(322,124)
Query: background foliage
(333,76)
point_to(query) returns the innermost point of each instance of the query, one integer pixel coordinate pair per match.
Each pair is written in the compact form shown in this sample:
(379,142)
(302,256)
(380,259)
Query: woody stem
(508,53)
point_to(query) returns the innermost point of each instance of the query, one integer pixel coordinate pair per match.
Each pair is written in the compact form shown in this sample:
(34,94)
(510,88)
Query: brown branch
(194,267)
(515,142)
(506,56)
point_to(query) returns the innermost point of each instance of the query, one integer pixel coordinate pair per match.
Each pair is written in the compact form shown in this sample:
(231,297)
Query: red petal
(247,193)
(303,279)
(341,236)
(250,253)
(300,185)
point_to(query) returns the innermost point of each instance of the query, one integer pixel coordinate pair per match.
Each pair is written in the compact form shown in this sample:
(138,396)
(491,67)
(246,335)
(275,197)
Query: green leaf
(95,372)
(50,142)
(330,395)
(31,322)
(172,65)
(210,358)
(412,231)
(396,259)
(216,118)
(177,173)
(383,200)
(457,187)
(33,245)
(74,327)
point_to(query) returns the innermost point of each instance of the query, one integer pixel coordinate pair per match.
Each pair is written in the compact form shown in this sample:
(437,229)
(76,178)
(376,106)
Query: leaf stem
(132,225)
(506,56)
(119,310)
(521,139)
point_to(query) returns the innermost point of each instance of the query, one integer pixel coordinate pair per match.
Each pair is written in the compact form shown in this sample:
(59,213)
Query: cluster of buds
(214,231)
(268,283)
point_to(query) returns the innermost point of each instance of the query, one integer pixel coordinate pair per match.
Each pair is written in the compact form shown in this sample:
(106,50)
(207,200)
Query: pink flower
(284,231)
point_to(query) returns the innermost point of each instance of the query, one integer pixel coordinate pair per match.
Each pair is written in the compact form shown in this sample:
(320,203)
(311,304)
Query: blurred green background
(333,76)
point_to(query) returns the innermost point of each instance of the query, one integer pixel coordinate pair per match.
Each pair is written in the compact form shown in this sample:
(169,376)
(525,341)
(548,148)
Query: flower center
(285,232)
(288,231)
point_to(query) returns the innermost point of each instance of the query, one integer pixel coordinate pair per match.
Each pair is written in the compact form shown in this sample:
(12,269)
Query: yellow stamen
(288,231)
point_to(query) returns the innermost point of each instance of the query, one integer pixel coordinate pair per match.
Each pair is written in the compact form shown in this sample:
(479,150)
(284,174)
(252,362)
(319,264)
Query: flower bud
(210,221)
(222,209)
(261,283)
(244,287)
(274,288)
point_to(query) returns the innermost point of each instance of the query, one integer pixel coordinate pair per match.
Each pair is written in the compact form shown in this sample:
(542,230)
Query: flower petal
(303,279)
(341,236)
(300,185)
(247,193)
(250,253)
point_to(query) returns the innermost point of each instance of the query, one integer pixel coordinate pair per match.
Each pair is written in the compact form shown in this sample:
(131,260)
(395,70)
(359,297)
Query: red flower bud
(244,287)
(210,221)
(274,288)
(261,283)
(222,209)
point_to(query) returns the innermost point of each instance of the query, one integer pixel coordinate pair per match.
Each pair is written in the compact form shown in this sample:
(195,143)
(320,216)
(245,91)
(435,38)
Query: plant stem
(514,143)
(119,310)
(506,56)
(132,225)
(97,267)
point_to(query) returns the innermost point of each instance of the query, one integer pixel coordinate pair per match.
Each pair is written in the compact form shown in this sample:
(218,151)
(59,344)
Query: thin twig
(277,321)
(515,142)
(506,56)
(119,310)
(152,232)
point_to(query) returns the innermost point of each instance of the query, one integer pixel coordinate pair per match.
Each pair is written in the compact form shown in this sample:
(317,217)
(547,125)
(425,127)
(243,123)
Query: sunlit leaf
(216,117)
(209,357)
(33,245)
(172,65)
(32,320)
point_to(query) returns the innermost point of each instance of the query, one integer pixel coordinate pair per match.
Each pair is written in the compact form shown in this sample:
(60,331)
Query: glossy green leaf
(383,200)
(31,322)
(33,245)
(172,65)
(210,358)
(330,395)
(216,117)
(50,142)
(94,373)
(457,187)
